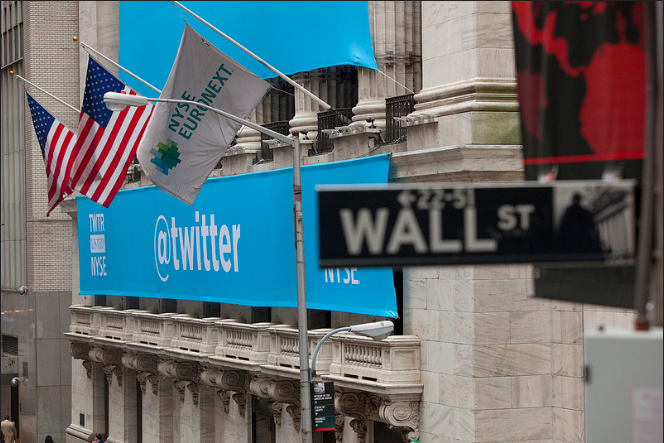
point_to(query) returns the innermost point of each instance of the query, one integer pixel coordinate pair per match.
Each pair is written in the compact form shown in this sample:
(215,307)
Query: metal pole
(258,59)
(318,346)
(282,138)
(158,91)
(645,246)
(44,91)
(305,382)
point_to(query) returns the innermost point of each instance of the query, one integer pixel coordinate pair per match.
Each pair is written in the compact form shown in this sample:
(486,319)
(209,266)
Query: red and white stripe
(58,158)
(104,155)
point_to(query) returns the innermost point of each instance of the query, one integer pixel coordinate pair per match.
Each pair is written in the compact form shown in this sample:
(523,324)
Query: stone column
(468,81)
(306,110)
(122,414)
(158,410)
(396,36)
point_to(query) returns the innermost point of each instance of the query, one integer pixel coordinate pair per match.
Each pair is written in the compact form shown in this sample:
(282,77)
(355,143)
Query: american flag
(57,144)
(107,140)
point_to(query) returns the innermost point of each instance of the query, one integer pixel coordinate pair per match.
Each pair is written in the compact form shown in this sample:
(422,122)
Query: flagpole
(118,65)
(45,92)
(257,58)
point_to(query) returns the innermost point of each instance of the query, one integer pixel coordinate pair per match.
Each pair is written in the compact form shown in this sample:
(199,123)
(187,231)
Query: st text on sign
(415,225)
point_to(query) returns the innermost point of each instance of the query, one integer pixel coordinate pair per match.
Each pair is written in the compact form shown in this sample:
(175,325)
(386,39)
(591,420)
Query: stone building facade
(474,357)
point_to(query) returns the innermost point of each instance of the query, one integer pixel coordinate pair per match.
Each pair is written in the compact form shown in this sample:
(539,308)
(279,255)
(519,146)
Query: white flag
(182,142)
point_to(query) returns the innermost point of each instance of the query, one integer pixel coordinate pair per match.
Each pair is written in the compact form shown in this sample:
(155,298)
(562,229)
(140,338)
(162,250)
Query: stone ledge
(458,163)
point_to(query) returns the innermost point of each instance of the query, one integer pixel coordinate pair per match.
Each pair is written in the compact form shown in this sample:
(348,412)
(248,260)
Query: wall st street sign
(434,224)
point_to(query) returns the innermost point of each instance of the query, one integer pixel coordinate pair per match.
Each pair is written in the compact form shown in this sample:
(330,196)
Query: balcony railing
(399,106)
(393,360)
(195,334)
(263,347)
(243,342)
(329,120)
(280,127)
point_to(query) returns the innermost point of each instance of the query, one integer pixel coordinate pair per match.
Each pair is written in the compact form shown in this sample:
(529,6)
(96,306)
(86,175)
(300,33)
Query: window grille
(9,345)
(330,120)
(281,127)
(398,106)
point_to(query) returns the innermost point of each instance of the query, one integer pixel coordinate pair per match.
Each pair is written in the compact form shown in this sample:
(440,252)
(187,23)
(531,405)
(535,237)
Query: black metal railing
(398,106)
(330,120)
(281,127)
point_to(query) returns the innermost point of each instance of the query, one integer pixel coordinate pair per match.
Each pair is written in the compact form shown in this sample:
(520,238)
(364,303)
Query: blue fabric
(292,36)
(128,249)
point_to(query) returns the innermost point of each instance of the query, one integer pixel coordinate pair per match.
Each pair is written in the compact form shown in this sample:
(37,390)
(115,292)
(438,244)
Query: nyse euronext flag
(183,143)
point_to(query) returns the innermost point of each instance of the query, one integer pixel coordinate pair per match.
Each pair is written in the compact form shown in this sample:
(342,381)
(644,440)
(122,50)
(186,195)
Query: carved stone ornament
(362,407)
(193,388)
(276,407)
(339,427)
(241,401)
(360,428)
(147,362)
(96,355)
(296,414)
(87,364)
(112,356)
(225,397)
(402,414)
(288,391)
(109,370)
(79,350)
(166,368)
(180,385)
(142,378)
(259,386)
(154,381)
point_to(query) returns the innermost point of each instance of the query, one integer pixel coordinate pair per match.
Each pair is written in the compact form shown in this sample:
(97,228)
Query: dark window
(211,309)
(9,345)
(398,289)
(261,314)
(168,305)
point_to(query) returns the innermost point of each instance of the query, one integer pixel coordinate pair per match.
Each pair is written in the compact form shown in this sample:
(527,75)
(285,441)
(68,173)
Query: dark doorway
(262,422)
(139,413)
(15,408)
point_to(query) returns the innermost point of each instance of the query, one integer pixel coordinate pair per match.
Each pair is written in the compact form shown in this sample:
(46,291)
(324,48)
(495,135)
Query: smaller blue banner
(236,244)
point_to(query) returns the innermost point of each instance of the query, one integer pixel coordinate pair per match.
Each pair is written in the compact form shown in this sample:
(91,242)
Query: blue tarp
(292,36)
(234,245)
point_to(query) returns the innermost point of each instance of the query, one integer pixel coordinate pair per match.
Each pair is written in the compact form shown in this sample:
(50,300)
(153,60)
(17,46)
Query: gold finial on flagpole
(75,38)
(11,72)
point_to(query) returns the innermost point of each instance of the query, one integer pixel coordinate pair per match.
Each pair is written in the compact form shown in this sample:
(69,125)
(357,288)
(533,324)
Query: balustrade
(154,329)
(264,347)
(115,324)
(83,320)
(243,342)
(393,360)
(195,334)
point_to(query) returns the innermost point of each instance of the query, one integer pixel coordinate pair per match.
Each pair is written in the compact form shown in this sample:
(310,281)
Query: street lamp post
(117,102)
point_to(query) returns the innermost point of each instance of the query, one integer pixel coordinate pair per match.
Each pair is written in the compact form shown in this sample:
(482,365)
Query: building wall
(497,365)
(38,248)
